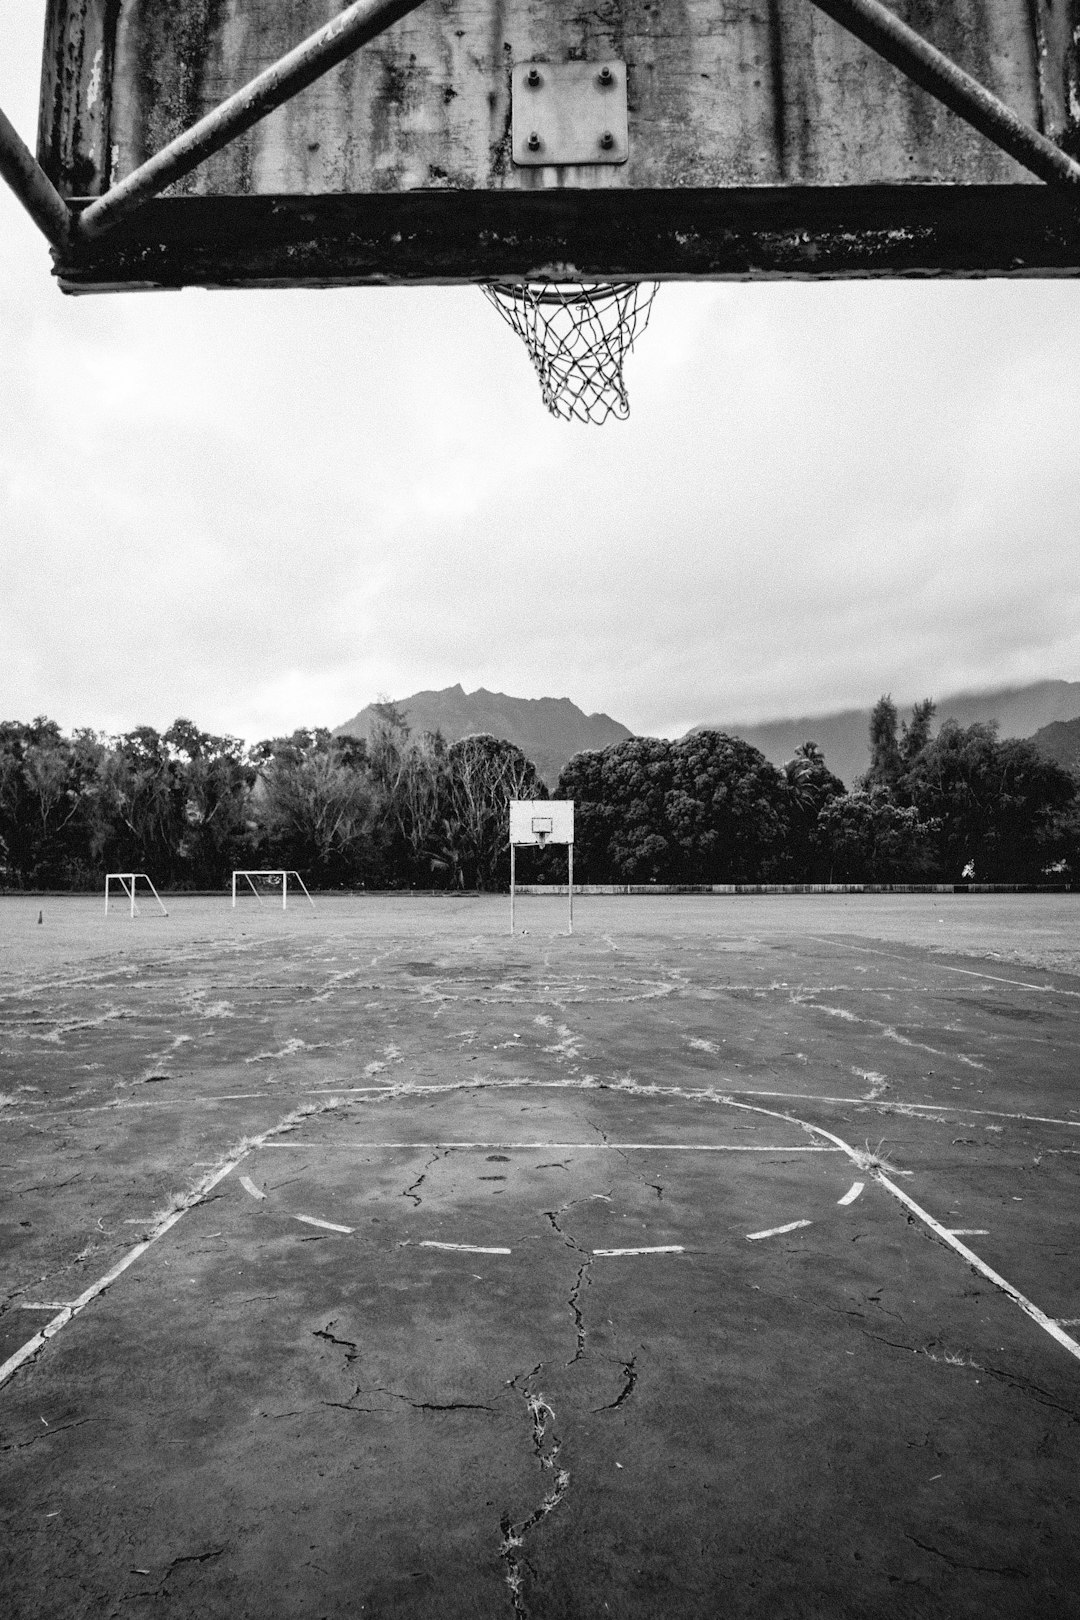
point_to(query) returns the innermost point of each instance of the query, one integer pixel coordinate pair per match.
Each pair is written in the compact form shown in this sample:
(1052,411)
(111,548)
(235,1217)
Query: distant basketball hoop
(539,822)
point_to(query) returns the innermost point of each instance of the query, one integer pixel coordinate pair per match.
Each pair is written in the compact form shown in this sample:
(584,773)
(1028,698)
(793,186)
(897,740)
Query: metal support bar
(935,72)
(316,55)
(28,180)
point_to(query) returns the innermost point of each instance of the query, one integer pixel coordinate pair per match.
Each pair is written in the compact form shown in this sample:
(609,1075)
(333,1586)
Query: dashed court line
(663,1248)
(777,1231)
(327,1226)
(463,1248)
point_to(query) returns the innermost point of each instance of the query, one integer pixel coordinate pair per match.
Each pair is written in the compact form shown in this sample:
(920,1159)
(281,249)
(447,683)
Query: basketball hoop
(578,336)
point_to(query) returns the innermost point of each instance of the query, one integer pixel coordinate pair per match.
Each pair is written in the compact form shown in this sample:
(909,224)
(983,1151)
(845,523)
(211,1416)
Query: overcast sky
(262,510)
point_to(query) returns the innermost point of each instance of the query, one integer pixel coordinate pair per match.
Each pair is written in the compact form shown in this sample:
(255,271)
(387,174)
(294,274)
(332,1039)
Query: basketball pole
(511,887)
(570,853)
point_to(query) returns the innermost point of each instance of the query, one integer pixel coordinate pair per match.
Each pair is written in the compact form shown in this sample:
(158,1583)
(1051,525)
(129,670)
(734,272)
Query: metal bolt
(533,142)
(607,140)
(532,78)
(605,76)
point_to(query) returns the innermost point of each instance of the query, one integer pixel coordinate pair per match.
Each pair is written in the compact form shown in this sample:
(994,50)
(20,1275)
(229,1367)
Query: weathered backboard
(760,139)
(541,821)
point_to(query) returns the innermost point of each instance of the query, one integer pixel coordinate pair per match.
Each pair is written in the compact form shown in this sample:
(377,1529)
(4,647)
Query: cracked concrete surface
(460,1409)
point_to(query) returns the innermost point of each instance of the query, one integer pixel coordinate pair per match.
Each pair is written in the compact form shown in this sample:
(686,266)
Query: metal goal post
(127,881)
(275,874)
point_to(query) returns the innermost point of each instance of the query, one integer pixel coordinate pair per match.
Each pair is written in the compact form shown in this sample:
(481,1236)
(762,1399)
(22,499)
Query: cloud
(262,509)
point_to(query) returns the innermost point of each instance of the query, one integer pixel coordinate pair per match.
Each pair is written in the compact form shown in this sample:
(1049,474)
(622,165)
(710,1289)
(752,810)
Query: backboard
(738,138)
(541,821)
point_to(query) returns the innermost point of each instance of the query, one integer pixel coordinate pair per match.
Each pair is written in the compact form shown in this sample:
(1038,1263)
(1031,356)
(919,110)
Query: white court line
(776,1231)
(970,1231)
(250,1187)
(47,1305)
(465,1248)
(896,1105)
(391,1094)
(667,1248)
(1029,1308)
(191,1201)
(566,1147)
(852,1193)
(32,1346)
(330,1226)
(973,973)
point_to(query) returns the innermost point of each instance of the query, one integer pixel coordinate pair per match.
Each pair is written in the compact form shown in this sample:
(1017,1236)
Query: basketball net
(578,336)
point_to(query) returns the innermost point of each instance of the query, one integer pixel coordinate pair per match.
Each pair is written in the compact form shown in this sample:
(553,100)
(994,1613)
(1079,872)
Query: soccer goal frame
(537,823)
(127,881)
(282,872)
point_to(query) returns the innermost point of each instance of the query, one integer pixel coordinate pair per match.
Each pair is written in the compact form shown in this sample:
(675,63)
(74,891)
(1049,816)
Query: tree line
(400,810)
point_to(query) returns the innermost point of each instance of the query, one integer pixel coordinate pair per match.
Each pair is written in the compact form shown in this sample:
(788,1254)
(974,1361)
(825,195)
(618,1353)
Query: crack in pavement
(513,1534)
(417,1406)
(21,1445)
(958,1563)
(345,1344)
(630,1375)
(410,1191)
(1015,1380)
(581,1281)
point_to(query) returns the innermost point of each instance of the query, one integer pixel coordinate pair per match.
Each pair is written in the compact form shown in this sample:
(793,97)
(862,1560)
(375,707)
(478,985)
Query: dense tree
(865,837)
(216,781)
(886,763)
(1000,807)
(482,774)
(707,809)
(398,809)
(314,808)
(810,787)
(916,732)
(44,781)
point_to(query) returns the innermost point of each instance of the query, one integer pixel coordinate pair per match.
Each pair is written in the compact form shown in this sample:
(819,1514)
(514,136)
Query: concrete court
(266,1416)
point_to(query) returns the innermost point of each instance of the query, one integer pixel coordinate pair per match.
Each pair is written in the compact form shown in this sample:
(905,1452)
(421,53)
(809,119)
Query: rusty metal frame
(28,180)
(938,74)
(71,229)
(308,61)
(359,23)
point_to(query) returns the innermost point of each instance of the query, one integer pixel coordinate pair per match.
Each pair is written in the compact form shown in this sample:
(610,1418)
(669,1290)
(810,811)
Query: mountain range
(548,730)
(551,730)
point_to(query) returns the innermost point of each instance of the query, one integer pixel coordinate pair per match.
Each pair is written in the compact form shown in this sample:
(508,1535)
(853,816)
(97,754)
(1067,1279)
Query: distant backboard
(734,138)
(541,821)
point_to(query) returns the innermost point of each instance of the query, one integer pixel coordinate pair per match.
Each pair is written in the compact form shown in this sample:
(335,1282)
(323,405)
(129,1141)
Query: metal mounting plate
(569,112)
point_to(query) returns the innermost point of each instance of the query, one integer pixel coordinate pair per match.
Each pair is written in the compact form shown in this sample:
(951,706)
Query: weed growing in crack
(513,1535)
(874,1158)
